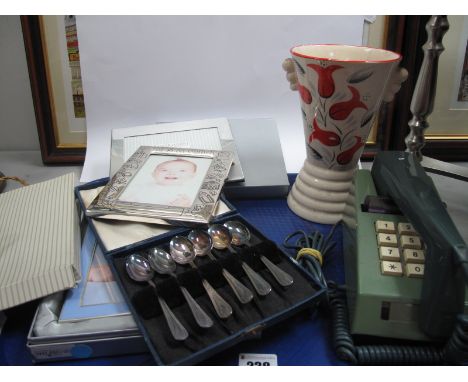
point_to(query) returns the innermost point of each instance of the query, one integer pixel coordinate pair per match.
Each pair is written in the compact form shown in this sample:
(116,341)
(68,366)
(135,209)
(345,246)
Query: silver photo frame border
(201,210)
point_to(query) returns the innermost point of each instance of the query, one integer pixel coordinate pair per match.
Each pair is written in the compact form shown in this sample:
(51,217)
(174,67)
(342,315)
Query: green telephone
(406,265)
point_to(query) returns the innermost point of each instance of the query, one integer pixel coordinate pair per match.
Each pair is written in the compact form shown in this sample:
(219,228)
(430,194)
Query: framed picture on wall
(377,31)
(447,135)
(52,53)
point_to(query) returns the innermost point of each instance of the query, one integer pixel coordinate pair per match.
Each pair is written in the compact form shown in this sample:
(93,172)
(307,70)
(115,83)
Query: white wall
(140,70)
(17,119)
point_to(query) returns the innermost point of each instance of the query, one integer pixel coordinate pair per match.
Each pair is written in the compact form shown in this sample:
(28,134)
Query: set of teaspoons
(183,250)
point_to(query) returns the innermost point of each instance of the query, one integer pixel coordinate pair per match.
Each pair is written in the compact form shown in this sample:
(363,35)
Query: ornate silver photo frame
(174,184)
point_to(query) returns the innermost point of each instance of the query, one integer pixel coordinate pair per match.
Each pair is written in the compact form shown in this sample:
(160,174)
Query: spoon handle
(283,278)
(240,290)
(202,319)
(177,329)
(260,284)
(222,308)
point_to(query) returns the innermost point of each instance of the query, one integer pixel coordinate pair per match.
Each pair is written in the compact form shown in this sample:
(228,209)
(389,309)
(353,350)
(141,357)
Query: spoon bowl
(182,250)
(138,268)
(202,243)
(161,261)
(239,232)
(220,236)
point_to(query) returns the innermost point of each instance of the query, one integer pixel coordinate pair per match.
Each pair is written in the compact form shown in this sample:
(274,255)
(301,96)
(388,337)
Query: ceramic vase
(341,89)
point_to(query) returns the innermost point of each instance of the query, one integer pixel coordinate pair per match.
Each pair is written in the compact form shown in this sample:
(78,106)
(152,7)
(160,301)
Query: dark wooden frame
(50,150)
(407,35)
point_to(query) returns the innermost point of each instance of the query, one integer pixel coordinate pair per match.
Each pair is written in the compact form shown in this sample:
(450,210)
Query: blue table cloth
(304,339)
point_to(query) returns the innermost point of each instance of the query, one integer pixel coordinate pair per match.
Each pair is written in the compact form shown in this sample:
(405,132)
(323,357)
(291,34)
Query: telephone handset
(406,264)
(400,176)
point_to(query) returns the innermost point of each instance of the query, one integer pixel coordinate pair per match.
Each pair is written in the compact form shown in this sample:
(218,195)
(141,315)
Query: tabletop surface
(303,339)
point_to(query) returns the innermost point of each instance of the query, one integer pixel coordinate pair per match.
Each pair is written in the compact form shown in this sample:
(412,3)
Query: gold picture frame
(376,36)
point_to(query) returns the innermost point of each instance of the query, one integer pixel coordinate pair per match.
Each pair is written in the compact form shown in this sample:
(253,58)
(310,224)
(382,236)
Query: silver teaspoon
(202,245)
(241,236)
(182,252)
(162,262)
(222,240)
(139,269)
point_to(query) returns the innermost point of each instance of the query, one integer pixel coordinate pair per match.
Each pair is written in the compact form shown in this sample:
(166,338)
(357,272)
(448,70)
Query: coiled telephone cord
(455,352)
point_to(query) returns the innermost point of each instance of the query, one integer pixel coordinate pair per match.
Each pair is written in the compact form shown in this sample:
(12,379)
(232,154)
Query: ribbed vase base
(321,195)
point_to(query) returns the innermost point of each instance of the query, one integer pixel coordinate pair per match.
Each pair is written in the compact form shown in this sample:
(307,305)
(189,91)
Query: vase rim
(397,56)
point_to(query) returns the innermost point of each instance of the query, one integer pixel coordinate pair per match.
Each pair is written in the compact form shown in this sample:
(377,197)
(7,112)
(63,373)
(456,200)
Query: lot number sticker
(246,359)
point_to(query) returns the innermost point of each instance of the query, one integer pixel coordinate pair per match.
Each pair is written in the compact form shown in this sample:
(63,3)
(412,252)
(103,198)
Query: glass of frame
(97,294)
(173,184)
(448,119)
(54,70)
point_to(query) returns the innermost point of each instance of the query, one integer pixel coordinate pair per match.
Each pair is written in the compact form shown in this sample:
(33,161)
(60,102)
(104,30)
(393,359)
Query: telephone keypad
(401,251)
(389,253)
(387,239)
(414,270)
(406,229)
(413,256)
(391,268)
(411,242)
(384,226)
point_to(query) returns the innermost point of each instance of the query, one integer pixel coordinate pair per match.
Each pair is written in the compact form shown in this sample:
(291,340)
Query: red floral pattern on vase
(305,94)
(328,138)
(326,84)
(346,156)
(341,110)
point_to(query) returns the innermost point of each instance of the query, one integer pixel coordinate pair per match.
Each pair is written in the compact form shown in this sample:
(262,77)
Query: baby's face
(173,173)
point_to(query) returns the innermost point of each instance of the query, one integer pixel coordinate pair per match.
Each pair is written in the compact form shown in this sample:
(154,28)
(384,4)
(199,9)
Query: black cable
(454,353)
(372,354)
(317,241)
(456,350)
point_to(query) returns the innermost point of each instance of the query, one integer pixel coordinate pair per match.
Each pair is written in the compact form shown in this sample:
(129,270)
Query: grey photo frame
(204,203)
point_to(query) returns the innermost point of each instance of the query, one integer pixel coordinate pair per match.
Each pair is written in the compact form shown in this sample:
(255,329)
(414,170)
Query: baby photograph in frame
(167,180)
